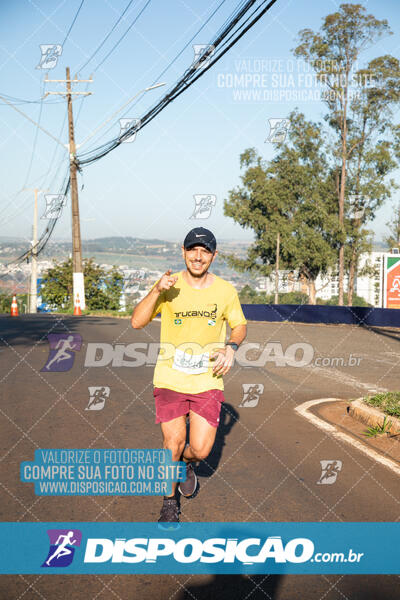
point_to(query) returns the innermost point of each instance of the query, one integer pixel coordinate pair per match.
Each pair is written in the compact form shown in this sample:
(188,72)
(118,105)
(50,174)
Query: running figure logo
(251,394)
(202,55)
(97,397)
(203,204)
(62,547)
(54,205)
(330,470)
(278,130)
(357,210)
(50,54)
(62,351)
(124,126)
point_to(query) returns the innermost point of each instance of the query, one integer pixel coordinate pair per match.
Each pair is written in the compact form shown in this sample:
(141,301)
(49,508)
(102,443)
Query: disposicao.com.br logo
(248,551)
(204,547)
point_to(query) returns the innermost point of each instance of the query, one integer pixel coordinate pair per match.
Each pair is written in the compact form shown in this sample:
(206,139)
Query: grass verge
(388,402)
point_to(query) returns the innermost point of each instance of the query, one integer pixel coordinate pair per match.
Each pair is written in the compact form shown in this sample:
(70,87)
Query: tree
(373,149)
(5,302)
(292,195)
(393,238)
(102,289)
(333,53)
(249,295)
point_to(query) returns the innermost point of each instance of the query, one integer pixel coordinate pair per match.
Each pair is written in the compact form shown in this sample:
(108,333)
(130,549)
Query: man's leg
(201,440)
(174,438)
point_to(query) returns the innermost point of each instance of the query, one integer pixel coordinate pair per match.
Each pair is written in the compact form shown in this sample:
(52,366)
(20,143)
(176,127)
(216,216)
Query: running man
(62,346)
(62,549)
(195,306)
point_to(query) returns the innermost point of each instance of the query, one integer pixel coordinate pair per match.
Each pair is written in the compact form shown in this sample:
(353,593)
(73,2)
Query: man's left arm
(225,356)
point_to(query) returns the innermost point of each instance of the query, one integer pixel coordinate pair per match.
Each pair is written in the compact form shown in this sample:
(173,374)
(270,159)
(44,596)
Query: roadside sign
(391,297)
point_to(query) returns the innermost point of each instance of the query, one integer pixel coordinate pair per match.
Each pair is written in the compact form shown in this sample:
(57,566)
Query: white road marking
(395,354)
(336,375)
(302,409)
(374,359)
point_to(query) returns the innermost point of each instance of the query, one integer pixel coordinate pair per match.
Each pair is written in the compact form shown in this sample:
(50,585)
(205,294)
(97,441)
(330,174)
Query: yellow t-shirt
(193,326)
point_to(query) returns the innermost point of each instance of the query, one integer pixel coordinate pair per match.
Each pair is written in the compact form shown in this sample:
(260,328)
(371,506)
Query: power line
(102,44)
(35,138)
(73,22)
(123,36)
(19,211)
(22,207)
(44,238)
(106,38)
(174,59)
(40,245)
(8,100)
(233,30)
(190,41)
(191,75)
(18,101)
(241,9)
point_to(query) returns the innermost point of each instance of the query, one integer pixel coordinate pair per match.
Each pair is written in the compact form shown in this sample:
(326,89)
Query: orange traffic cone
(14,307)
(77,307)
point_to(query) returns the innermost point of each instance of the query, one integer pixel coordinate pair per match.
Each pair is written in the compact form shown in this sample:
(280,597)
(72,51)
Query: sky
(146,187)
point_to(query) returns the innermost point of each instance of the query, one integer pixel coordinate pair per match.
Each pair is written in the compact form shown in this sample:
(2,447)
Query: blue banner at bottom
(218,548)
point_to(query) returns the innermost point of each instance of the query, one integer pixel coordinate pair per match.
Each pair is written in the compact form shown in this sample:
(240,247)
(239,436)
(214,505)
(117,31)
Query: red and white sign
(392,281)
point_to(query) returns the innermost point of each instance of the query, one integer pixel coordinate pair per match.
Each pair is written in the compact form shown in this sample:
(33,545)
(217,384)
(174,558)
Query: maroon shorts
(171,404)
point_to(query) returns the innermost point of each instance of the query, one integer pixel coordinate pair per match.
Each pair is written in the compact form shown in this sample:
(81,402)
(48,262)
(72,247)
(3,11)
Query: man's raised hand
(166,281)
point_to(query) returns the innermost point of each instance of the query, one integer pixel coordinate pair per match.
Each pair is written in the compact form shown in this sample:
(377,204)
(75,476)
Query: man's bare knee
(200,453)
(174,444)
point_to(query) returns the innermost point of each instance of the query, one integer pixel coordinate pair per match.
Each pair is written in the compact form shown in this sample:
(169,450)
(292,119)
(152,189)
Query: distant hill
(116,244)
(112,244)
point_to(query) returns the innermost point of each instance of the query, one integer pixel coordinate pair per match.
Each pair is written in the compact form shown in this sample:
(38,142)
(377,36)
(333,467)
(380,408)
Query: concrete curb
(331,430)
(372,416)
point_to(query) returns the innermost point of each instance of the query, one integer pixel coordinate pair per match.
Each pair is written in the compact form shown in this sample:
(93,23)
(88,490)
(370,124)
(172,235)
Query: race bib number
(192,364)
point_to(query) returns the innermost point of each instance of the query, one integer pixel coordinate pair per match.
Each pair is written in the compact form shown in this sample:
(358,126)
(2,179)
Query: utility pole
(32,307)
(77,270)
(278,241)
(33,296)
(78,280)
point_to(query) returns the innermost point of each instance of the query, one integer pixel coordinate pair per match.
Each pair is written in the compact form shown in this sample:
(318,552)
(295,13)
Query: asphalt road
(264,466)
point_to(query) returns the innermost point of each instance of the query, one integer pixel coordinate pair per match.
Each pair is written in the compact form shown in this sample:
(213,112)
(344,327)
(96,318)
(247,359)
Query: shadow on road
(226,587)
(394,334)
(228,418)
(31,329)
(261,587)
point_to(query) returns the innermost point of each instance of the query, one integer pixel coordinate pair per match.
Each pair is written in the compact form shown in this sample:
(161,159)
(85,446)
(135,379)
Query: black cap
(199,236)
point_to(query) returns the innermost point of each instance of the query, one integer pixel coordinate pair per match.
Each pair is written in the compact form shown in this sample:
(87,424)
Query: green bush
(6,299)
(248,295)
(5,302)
(289,298)
(357,301)
(102,288)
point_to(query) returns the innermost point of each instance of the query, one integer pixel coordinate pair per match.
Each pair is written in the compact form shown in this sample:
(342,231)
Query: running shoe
(188,487)
(169,511)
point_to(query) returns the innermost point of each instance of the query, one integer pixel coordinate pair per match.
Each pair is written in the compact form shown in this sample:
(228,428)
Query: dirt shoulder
(338,414)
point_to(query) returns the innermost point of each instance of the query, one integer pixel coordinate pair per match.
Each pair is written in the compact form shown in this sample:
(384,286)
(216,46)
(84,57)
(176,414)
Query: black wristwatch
(233,344)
